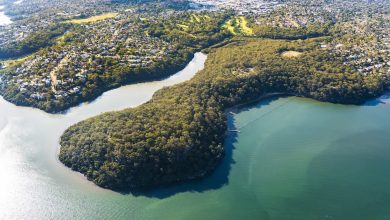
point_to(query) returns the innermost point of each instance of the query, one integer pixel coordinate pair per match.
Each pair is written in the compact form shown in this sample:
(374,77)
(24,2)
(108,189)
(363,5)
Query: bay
(293,158)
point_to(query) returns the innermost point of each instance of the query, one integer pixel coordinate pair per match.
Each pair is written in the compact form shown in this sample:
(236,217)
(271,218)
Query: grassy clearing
(197,19)
(188,34)
(239,26)
(183,26)
(194,19)
(229,25)
(244,26)
(61,39)
(293,22)
(93,18)
(291,54)
(13,62)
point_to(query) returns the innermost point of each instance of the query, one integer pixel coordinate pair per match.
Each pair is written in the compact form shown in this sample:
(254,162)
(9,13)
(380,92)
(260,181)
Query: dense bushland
(178,135)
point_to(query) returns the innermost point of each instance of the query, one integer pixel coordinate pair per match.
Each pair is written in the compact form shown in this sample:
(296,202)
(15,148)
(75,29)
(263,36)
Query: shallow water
(294,158)
(33,181)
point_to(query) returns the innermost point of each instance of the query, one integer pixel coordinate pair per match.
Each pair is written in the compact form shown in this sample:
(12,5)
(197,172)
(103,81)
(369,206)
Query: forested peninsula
(57,54)
(178,135)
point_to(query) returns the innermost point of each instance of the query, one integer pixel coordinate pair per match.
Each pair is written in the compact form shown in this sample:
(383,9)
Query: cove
(297,158)
(293,158)
(30,172)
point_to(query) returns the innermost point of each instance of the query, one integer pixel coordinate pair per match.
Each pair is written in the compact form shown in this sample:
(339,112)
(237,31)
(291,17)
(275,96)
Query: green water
(293,158)
(300,159)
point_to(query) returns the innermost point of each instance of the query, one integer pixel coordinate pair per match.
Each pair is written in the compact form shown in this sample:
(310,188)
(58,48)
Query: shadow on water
(384,99)
(258,103)
(218,178)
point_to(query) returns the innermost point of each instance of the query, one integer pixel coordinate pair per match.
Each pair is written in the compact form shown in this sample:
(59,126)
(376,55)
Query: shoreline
(174,68)
(231,111)
(264,96)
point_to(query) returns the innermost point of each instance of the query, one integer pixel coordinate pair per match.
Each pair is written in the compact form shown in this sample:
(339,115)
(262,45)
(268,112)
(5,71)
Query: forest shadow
(220,176)
(383,99)
(257,103)
(213,181)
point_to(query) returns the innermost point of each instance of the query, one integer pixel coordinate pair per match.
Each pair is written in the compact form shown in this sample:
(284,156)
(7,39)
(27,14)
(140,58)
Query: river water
(294,158)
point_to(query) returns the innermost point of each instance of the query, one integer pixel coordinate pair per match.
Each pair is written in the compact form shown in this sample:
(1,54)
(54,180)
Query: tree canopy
(178,135)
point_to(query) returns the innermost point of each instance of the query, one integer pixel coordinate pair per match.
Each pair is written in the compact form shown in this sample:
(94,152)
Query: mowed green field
(239,26)
(93,18)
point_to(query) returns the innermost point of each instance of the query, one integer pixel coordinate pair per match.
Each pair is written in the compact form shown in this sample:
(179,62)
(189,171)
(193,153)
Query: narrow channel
(30,172)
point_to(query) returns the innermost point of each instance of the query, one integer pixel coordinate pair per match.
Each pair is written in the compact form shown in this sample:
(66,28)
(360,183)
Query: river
(294,158)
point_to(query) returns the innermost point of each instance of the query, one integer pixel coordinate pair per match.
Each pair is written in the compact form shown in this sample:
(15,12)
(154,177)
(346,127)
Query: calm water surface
(294,158)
